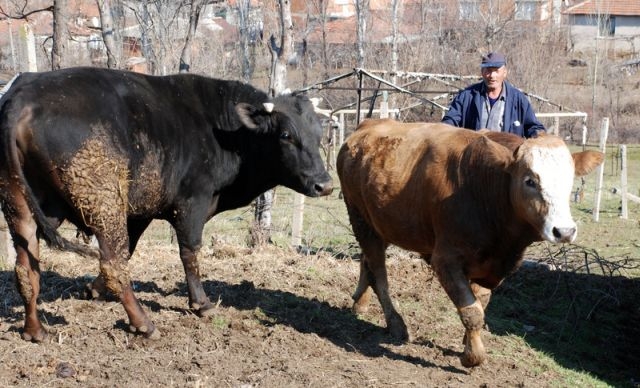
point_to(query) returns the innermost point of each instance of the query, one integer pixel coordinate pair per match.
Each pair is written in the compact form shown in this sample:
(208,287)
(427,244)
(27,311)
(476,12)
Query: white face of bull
(544,179)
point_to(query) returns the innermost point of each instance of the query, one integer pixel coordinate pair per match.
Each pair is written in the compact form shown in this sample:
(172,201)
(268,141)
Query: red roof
(608,7)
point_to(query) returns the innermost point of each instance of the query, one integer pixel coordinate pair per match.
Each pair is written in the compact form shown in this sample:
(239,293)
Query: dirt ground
(283,320)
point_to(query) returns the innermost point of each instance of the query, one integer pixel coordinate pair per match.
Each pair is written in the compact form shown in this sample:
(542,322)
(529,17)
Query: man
(494,103)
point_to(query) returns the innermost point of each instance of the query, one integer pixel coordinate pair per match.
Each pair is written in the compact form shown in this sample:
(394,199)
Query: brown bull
(469,202)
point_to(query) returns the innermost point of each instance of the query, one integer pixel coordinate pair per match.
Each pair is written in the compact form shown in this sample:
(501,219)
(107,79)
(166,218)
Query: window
(469,10)
(525,10)
(607,26)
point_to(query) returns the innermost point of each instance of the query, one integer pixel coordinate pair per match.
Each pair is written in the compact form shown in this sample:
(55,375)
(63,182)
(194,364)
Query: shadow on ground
(585,322)
(338,325)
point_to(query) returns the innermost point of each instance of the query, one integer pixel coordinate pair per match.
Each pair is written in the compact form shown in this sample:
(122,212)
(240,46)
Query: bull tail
(45,230)
(51,235)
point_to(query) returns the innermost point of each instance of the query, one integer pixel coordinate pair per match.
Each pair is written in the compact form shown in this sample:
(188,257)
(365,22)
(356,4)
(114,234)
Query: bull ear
(252,117)
(587,161)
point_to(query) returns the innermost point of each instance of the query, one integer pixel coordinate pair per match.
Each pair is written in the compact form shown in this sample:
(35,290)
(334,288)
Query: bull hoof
(36,336)
(470,359)
(399,332)
(360,308)
(149,332)
(91,292)
(154,335)
(397,328)
(204,310)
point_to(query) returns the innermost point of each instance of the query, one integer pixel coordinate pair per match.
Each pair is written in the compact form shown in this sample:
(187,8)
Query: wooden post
(7,252)
(341,130)
(604,132)
(556,126)
(298,218)
(29,44)
(384,105)
(335,146)
(624,211)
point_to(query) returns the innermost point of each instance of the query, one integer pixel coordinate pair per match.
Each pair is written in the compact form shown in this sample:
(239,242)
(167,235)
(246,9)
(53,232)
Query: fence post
(7,253)
(604,132)
(384,105)
(624,211)
(297,221)
(29,44)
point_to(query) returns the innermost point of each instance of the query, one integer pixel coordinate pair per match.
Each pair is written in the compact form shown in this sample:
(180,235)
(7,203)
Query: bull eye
(529,182)
(285,135)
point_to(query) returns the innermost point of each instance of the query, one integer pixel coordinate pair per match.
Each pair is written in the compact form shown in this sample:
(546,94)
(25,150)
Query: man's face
(494,76)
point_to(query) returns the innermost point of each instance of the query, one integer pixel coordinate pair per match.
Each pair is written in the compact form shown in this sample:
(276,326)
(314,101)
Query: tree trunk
(60,34)
(194,15)
(244,9)
(147,47)
(395,4)
(108,34)
(279,55)
(362,10)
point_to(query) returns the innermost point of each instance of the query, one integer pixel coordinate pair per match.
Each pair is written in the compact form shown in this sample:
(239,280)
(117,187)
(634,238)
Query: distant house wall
(625,40)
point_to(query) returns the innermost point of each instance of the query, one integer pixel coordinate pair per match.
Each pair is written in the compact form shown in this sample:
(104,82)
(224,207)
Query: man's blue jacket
(519,117)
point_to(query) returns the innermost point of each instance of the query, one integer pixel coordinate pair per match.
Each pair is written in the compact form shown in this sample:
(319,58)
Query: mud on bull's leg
(471,310)
(198,300)
(97,182)
(116,277)
(27,267)
(472,318)
(28,281)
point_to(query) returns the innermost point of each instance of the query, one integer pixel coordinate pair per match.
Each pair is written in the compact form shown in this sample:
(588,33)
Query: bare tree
(280,55)
(21,11)
(112,45)
(60,33)
(194,15)
(160,21)
(318,12)
(244,8)
(362,12)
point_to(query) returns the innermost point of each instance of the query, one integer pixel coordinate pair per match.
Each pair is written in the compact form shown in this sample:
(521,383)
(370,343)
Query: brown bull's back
(398,175)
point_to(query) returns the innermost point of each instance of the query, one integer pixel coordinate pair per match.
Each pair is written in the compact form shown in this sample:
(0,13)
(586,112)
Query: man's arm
(454,114)
(532,126)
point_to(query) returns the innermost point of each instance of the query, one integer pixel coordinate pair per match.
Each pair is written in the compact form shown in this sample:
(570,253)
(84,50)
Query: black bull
(110,151)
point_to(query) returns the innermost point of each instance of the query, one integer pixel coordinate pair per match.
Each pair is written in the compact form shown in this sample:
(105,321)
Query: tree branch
(22,15)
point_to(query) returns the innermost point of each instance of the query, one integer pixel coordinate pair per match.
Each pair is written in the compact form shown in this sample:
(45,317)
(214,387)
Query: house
(609,25)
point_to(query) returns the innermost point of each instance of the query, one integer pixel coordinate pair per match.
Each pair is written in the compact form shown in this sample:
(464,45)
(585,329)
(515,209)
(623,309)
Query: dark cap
(493,59)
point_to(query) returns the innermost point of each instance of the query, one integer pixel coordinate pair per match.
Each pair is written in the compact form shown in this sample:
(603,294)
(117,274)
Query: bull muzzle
(324,188)
(564,235)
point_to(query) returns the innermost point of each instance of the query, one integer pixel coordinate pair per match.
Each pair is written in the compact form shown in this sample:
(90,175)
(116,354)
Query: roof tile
(609,7)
